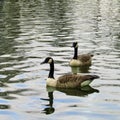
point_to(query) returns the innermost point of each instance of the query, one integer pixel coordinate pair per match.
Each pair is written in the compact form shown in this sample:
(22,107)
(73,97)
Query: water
(31,30)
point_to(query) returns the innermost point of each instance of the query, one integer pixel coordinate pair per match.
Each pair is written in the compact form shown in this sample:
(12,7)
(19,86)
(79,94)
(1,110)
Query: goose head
(75,45)
(48,60)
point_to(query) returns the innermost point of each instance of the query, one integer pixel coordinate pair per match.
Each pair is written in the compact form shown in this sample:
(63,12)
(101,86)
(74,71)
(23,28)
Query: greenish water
(31,30)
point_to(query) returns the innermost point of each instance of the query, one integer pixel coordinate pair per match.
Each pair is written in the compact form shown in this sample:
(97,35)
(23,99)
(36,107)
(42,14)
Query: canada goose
(69,80)
(80,60)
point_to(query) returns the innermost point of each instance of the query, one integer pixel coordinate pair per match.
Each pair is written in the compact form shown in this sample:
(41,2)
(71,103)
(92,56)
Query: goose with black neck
(80,60)
(67,80)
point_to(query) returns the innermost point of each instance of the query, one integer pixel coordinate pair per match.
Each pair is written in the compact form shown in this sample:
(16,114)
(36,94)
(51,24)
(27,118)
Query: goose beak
(42,62)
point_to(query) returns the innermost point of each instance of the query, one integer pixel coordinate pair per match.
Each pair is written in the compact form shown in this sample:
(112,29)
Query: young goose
(69,80)
(80,60)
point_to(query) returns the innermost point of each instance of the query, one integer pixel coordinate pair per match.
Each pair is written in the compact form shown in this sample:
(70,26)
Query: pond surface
(31,30)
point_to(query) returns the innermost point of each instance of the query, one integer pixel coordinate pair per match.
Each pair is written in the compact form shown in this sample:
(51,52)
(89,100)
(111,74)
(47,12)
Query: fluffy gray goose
(69,80)
(80,60)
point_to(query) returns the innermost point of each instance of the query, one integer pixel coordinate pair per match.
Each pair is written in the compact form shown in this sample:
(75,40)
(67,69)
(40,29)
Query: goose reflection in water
(84,91)
(82,69)
(49,109)
(79,92)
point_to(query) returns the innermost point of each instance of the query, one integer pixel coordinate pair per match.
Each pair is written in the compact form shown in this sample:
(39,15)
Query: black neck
(51,73)
(50,94)
(75,53)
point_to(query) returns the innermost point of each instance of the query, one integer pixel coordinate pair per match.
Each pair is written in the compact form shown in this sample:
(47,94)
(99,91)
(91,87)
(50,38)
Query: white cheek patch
(50,61)
(76,46)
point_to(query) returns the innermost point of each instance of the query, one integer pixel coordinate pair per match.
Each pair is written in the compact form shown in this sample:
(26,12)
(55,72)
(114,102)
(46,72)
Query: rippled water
(31,30)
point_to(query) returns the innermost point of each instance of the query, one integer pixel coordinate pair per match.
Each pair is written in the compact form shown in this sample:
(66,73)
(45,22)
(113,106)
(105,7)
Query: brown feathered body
(71,81)
(85,59)
(75,81)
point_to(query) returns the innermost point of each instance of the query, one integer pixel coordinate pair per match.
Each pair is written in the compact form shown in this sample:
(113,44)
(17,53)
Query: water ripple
(31,31)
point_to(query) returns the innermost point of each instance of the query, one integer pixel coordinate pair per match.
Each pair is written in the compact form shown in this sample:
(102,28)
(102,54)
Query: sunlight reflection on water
(31,31)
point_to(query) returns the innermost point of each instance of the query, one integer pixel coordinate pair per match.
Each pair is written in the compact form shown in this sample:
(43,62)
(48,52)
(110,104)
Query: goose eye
(50,61)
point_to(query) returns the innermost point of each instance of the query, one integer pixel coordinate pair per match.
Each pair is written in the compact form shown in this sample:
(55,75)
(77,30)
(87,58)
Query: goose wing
(69,81)
(84,57)
(72,80)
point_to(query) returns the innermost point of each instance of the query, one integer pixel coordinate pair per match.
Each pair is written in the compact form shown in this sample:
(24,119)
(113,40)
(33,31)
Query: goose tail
(94,77)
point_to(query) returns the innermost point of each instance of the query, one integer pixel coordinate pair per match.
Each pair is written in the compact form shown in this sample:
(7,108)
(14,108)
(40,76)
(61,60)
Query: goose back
(85,59)
(74,81)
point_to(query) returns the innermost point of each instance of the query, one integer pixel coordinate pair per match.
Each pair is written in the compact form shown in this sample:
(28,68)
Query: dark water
(31,30)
